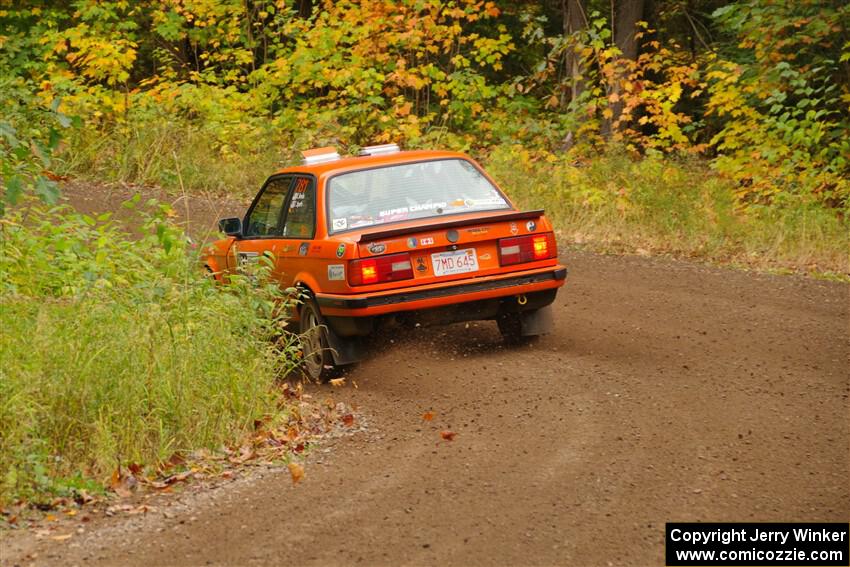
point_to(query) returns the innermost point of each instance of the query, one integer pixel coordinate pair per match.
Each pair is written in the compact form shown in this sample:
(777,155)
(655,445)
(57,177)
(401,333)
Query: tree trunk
(627,13)
(305,8)
(575,19)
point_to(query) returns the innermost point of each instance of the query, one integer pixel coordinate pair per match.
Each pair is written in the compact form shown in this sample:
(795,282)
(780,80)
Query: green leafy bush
(655,204)
(117,350)
(30,134)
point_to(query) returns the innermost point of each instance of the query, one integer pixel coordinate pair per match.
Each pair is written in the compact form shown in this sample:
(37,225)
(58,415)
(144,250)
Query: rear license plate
(454,262)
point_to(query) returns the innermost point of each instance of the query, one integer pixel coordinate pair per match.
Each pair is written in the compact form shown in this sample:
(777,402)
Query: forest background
(700,127)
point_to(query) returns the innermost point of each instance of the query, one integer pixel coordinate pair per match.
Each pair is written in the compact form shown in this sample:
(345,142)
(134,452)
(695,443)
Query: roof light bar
(320,155)
(379,150)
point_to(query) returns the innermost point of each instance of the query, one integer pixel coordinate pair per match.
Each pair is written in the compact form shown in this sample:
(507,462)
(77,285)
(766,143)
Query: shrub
(117,350)
(615,202)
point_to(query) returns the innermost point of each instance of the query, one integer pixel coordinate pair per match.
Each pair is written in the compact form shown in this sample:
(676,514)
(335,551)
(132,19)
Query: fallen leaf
(115,480)
(246,453)
(428,416)
(448,435)
(348,420)
(83,497)
(71,512)
(62,537)
(337,382)
(55,176)
(177,459)
(50,518)
(122,491)
(59,503)
(135,468)
(178,477)
(166,483)
(297,472)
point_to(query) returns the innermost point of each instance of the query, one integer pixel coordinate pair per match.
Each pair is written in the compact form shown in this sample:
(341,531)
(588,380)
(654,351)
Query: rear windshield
(409,191)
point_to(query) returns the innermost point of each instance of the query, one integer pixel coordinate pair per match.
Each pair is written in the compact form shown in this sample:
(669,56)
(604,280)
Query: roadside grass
(117,350)
(615,204)
(165,153)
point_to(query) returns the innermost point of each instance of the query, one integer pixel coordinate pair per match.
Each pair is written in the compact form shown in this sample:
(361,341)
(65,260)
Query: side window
(301,213)
(265,217)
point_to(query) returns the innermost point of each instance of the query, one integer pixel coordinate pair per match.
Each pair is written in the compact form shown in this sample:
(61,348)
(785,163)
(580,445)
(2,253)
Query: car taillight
(380,269)
(530,248)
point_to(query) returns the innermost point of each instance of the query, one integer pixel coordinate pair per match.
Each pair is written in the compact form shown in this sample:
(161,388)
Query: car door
(262,229)
(298,248)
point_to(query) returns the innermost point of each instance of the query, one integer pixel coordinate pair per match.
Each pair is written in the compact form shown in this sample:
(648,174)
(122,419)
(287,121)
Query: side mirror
(231,226)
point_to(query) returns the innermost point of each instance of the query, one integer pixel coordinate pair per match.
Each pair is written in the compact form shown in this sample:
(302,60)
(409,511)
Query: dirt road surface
(668,392)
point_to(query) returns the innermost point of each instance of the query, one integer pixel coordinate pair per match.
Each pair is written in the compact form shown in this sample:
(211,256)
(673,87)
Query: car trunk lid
(450,249)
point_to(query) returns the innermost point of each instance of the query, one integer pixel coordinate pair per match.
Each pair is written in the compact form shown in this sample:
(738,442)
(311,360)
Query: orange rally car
(423,236)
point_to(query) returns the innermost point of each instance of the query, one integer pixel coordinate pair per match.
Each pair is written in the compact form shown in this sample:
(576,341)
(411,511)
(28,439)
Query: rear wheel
(317,361)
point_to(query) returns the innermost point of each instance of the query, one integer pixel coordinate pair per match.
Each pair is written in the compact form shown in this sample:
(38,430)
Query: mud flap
(344,351)
(536,322)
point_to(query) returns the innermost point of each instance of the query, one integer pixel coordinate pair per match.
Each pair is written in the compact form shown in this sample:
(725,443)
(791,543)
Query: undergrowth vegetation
(753,97)
(658,205)
(119,350)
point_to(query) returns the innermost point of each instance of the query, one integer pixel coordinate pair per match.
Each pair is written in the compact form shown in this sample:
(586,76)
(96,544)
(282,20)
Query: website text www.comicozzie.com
(754,554)
(757,544)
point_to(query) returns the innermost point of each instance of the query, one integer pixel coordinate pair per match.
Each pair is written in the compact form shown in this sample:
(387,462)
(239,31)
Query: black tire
(317,360)
(510,326)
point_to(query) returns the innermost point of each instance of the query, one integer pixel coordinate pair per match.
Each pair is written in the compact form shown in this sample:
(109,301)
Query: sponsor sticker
(336,272)
(340,224)
(246,258)
(478,230)
(411,243)
(340,250)
(426,241)
(297,201)
(377,248)
(420,265)
(531,226)
(514,228)
(303,249)
(412,209)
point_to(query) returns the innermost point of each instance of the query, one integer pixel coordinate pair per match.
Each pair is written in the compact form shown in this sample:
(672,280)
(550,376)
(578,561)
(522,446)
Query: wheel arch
(212,269)
(306,282)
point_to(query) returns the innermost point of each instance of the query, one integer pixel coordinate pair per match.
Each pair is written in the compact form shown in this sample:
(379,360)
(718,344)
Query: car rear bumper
(426,297)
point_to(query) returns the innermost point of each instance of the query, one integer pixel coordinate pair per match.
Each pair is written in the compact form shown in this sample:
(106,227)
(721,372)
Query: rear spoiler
(499,217)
